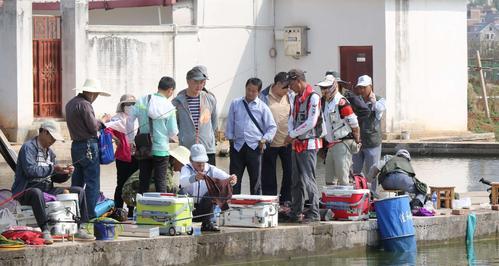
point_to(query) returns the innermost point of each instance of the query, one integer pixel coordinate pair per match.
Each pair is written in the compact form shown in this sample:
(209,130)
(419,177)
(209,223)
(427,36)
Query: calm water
(463,173)
(485,252)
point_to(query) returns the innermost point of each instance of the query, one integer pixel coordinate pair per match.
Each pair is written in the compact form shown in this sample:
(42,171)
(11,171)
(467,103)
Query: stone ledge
(236,244)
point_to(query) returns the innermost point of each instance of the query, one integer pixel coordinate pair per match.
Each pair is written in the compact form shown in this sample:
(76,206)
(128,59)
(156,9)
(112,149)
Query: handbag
(143,141)
(106,149)
(254,121)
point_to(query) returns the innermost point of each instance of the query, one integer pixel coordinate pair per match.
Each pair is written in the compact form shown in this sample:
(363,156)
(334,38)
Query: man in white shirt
(192,183)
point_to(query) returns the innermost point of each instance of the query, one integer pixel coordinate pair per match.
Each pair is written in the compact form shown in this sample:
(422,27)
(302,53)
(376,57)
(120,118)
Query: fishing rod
(89,155)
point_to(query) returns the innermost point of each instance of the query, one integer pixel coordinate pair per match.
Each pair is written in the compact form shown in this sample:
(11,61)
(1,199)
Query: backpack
(106,149)
(359,181)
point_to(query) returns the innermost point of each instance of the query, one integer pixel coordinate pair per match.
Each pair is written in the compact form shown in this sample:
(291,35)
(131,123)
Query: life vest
(301,115)
(396,164)
(339,128)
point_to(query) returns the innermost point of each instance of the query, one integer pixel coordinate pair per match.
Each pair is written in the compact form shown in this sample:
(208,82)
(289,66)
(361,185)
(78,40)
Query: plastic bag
(106,149)
(6,219)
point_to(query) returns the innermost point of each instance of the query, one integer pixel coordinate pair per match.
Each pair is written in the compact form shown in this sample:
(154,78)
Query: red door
(47,81)
(356,61)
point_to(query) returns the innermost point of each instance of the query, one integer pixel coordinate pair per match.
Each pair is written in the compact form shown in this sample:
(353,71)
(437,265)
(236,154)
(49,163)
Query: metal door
(47,81)
(356,61)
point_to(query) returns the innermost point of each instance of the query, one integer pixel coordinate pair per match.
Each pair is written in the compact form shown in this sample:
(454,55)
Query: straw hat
(93,85)
(125,98)
(181,153)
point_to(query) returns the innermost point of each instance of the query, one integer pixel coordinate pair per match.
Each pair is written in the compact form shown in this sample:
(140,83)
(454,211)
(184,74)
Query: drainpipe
(174,57)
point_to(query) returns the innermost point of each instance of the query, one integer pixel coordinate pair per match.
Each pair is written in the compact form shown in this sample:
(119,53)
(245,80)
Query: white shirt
(198,188)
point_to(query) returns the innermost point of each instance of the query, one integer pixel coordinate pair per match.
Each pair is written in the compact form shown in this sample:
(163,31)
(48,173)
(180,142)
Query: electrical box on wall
(295,41)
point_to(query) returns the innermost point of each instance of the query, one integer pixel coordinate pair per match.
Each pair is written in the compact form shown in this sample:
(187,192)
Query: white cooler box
(251,211)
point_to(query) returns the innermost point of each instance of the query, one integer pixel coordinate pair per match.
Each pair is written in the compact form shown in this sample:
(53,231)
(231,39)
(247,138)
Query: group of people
(287,119)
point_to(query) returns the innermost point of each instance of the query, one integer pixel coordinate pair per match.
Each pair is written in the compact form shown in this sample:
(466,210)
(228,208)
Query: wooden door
(356,61)
(47,70)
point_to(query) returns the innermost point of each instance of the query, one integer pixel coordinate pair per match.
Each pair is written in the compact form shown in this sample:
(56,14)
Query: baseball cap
(53,128)
(295,74)
(202,69)
(195,74)
(327,82)
(198,153)
(364,81)
(336,76)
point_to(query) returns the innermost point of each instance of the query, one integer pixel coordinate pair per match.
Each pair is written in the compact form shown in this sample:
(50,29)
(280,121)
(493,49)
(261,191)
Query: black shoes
(209,227)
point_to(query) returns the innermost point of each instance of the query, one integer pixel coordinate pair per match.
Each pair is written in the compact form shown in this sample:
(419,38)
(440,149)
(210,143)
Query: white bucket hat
(93,85)
(198,153)
(180,153)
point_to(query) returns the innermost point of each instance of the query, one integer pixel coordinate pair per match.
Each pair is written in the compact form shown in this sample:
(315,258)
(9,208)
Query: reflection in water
(486,253)
(463,173)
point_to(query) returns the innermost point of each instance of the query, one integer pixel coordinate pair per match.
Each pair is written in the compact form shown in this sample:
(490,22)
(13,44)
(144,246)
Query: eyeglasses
(128,104)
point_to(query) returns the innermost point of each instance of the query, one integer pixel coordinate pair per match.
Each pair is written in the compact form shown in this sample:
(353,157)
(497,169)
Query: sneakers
(47,237)
(209,227)
(83,236)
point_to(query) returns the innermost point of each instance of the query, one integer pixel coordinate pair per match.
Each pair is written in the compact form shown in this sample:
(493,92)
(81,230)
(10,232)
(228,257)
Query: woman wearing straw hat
(83,128)
(126,164)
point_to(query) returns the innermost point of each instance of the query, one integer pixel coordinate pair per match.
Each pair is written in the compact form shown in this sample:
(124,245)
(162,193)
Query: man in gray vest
(342,132)
(370,128)
(396,173)
(306,128)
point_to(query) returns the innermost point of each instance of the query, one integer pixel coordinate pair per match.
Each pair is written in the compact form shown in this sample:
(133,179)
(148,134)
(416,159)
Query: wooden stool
(443,193)
(494,191)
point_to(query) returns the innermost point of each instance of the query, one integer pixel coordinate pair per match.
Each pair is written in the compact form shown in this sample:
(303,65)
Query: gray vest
(370,129)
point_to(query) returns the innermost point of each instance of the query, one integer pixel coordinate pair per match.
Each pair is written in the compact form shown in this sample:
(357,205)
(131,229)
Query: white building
(415,50)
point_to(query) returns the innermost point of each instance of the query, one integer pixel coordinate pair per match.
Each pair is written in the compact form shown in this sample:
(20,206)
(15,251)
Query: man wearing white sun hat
(83,127)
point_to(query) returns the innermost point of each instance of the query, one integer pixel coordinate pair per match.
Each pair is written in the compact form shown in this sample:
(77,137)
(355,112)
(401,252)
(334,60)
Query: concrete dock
(245,244)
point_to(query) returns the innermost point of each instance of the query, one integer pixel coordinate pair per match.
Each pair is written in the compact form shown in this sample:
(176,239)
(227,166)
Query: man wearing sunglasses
(278,98)
(306,128)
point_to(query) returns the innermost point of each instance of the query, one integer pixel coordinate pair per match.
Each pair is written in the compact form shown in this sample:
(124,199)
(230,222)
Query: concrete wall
(16,69)
(426,67)
(128,60)
(236,245)
(333,23)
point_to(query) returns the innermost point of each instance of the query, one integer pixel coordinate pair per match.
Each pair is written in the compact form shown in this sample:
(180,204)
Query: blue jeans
(87,171)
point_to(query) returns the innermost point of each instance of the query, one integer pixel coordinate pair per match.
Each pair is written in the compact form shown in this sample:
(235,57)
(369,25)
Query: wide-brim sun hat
(126,98)
(180,153)
(94,86)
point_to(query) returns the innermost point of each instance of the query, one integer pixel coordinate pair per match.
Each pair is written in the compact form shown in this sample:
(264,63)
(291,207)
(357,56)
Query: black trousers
(159,164)
(123,171)
(269,172)
(34,198)
(212,159)
(203,207)
(249,159)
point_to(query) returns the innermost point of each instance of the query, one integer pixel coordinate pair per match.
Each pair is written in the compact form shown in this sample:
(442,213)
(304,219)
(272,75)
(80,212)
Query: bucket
(395,224)
(104,231)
